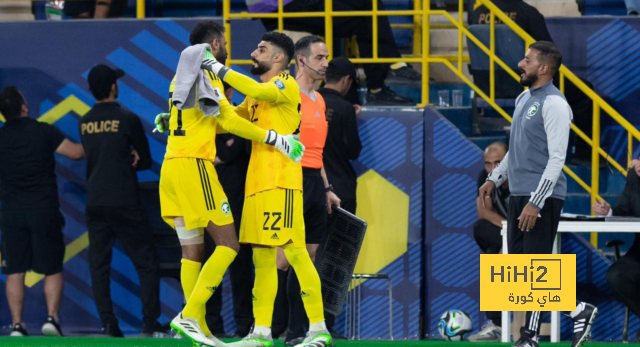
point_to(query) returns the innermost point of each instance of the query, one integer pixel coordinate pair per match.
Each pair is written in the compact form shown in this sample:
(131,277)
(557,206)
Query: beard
(262,68)
(528,79)
(222,55)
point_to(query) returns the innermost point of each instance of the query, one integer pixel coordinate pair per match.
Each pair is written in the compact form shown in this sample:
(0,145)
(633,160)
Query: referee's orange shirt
(313,129)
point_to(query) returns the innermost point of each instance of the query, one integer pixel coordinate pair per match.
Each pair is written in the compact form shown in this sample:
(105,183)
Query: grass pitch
(133,342)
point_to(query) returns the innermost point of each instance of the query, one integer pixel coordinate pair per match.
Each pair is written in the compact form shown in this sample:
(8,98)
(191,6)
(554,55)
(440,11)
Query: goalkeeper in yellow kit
(273,213)
(191,197)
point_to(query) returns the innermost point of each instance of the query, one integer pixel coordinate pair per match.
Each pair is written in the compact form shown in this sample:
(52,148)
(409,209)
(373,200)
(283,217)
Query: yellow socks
(208,281)
(189,273)
(265,287)
(310,288)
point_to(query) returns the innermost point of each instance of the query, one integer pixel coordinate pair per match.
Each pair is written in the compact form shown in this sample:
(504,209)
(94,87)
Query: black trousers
(346,27)
(241,272)
(129,225)
(538,240)
(488,237)
(624,278)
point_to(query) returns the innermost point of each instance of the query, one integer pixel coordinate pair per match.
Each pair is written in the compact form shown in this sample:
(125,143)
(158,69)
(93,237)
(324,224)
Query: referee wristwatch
(328,189)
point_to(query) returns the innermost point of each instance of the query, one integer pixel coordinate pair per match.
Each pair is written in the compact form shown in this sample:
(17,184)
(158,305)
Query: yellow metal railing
(421,54)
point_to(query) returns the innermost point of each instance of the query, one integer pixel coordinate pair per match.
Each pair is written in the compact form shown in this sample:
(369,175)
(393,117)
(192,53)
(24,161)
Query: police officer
(116,147)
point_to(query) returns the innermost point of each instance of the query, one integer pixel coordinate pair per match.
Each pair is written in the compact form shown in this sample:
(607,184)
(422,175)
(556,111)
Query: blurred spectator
(232,163)
(486,230)
(343,142)
(526,16)
(633,7)
(99,9)
(30,217)
(378,94)
(624,275)
(117,147)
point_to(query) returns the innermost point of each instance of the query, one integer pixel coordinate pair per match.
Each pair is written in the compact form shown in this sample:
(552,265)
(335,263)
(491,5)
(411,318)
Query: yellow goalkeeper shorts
(189,188)
(273,218)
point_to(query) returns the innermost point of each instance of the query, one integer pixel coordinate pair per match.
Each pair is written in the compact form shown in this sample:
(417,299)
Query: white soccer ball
(455,325)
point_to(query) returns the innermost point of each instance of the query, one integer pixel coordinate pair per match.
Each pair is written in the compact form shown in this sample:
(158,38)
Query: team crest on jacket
(533,110)
(279,84)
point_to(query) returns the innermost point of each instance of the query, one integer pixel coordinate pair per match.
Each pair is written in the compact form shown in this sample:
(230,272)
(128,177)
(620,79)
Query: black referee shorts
(315,206)
(32,240)
(538,240)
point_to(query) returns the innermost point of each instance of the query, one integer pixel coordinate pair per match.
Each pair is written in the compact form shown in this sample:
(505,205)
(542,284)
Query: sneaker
(254,340)
(155,330)
(404,76)
(317,339)
(51,327)
(19,329)
(526,339)
(387,97)
(582,324)
(489,332)
(335,335)
(215,340)
(190,329)
(112,330)
(294,342)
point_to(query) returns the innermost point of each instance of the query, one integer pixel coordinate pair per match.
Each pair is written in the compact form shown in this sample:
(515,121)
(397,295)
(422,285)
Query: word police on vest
(103,126)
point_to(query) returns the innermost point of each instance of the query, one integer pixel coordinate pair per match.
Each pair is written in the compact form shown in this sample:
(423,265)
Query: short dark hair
(11,102)
(206,31)
(303,46)
(281,41)
(330,78)
(549,54)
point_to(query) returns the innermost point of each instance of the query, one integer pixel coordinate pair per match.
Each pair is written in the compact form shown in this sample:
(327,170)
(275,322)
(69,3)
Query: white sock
(579,309)
(317,326)
(262,330)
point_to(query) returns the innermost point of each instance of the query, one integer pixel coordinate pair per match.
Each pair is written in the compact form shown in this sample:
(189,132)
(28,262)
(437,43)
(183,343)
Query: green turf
(130,342)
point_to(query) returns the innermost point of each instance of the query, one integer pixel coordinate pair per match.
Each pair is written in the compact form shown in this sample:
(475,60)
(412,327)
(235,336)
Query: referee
(533,166)
(116,147)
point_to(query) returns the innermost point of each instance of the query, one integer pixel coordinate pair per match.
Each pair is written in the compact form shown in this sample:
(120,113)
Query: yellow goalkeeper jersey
(191,134)
(268,168)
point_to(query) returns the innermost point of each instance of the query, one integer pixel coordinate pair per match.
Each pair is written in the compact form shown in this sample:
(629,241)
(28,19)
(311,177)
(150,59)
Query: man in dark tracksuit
(343,142)
(533,166)
(116,147)
(486,230)
(624,275)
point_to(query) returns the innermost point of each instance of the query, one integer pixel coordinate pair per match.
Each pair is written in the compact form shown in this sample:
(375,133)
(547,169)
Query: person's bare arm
(488,213)
(70,150)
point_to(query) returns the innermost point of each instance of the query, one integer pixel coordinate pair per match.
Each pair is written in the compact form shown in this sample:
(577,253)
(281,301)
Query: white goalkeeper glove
(288,145)
(162,122)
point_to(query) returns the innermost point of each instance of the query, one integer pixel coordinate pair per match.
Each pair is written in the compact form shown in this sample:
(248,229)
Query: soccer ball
(455,325)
